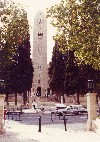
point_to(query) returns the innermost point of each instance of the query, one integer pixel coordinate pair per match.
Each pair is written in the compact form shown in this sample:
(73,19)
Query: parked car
(67,110)
(80,108)
(72,109)
(60,106)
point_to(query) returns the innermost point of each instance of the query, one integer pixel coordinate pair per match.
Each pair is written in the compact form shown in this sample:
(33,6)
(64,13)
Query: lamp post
(91,104)
(90,86)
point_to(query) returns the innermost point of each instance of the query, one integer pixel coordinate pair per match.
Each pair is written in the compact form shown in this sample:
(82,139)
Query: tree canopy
(21,71)
(57,71)
(14,30)
(78,26)
(15,49)
(67,77)
(65,74)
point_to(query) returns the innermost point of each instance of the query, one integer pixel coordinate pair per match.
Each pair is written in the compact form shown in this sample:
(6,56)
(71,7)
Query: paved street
(46,120)
(27,130)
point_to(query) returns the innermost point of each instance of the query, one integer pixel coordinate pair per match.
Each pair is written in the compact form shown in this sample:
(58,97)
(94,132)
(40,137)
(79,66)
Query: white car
(72,109)
(68,110)
(78,108)
(60,106)
(81,109)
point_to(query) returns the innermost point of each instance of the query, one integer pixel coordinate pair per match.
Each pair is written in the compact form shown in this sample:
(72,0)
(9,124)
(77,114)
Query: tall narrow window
(39,48)
(39,81)
(39,67)
(40,22)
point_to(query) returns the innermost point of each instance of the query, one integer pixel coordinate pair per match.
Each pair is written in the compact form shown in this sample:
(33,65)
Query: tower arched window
(39,67)
(40,35)
(39,81)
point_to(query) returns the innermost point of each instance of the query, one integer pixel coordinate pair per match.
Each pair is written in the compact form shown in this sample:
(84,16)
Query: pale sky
(32,6)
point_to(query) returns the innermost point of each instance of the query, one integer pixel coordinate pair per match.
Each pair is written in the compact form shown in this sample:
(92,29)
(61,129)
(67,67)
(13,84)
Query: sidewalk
(18,132)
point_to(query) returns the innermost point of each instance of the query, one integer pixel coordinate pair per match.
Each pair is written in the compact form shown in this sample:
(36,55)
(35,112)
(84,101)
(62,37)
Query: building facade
(39,57)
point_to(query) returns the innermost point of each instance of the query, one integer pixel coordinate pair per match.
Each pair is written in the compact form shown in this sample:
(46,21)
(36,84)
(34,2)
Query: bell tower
(40,78)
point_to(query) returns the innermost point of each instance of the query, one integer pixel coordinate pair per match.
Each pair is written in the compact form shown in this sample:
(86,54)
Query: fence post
(39,124)
(64,121)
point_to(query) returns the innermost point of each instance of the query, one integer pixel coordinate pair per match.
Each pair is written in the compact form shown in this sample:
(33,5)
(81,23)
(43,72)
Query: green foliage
(21,71)
(56,71)
(78,26)
(15,59)
(66,76)
(64,73)
(14,30)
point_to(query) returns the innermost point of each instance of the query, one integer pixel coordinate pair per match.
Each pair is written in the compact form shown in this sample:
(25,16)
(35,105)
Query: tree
(67,77)
(64,73)
(21,71)
(11,33)
(77,26)
(56,72)
(16,50)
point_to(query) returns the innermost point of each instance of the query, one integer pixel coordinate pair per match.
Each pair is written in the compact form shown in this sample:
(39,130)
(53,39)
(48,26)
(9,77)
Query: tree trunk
(24,98)
(6,99)
(78,101)
(57,97)
(62,98)
(15,98)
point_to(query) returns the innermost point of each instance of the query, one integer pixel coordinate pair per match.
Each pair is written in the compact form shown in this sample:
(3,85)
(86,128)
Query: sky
(32,6)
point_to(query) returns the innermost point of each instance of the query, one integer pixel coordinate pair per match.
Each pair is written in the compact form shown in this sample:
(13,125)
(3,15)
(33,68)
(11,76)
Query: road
(26,130)
(75,122)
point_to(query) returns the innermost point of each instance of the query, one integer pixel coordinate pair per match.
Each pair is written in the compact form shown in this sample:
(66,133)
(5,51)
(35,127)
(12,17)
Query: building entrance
(39,91)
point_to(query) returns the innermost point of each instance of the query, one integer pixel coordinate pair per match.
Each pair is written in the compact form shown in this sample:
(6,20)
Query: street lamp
(2,86)
(90,85)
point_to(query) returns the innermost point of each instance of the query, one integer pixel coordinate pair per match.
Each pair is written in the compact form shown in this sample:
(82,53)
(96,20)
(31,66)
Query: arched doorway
(48,92)
(39,91)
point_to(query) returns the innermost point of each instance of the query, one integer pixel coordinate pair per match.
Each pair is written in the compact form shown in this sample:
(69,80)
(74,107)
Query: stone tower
(40,79)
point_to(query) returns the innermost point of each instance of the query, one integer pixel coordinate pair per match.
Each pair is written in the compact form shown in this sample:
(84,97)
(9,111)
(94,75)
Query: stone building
(39,57)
